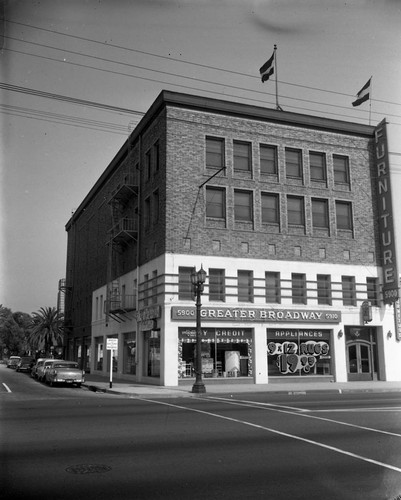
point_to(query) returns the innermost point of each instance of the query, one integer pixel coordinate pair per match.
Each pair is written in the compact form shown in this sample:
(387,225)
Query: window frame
(324,293)
(268,161)
(217,284)
(185,286)
(209,140)
(242,158)
(270,210)
(220,191)
(348,288)
(245,286)
(344,172)
(320,215)
(299,164)
(298,293)
(272,282)
(301,212)
(241,207)
(318,168)
(340,217)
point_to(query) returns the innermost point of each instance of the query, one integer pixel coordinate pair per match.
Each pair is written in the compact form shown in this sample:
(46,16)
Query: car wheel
(78,385)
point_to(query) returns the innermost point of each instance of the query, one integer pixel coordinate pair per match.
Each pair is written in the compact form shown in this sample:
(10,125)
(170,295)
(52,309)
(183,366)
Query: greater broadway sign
(257,315)
(385,213)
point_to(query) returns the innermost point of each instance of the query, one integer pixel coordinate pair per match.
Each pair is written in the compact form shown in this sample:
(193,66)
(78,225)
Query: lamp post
(198,279)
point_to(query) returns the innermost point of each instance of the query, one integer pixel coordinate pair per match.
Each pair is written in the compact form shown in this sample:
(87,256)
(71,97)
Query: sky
(118,55)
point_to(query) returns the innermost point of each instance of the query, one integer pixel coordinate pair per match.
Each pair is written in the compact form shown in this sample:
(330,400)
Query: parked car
(42,367)
(13,361)
(39,362)
(64,372)
(25,364)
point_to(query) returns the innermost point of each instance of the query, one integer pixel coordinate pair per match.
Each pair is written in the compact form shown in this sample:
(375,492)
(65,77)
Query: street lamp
(198,279)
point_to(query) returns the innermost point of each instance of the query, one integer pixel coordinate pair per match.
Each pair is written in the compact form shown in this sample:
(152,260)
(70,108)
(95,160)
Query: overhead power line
(72,100)
(181,61)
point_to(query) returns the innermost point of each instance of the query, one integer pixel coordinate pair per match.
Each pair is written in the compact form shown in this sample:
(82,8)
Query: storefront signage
(292,357)
(149,313)
(259,315)
(217,334)
(296,351)
(385,215)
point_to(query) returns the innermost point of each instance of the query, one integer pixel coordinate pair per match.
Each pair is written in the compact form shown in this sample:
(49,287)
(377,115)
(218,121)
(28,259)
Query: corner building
(279,208)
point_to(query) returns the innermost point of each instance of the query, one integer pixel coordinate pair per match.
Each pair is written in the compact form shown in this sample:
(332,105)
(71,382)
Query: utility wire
(183,61)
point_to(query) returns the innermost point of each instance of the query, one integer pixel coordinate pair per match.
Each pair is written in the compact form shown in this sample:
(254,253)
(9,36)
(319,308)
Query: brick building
(280,209)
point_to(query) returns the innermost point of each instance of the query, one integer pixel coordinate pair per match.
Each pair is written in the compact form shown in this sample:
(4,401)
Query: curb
(301,392)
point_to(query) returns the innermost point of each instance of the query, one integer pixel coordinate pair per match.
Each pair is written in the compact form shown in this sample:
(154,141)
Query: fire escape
(123,203)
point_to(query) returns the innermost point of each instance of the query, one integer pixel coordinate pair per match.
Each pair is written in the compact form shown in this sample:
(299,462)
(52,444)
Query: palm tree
(47,329)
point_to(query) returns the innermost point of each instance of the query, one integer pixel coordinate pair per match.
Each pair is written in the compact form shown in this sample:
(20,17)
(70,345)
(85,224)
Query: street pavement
(128,388)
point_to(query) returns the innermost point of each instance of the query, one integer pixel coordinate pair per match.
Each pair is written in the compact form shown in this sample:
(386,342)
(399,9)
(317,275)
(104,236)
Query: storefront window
(225,352)
(295,352)
(152,353)
(99,353)
(129,353)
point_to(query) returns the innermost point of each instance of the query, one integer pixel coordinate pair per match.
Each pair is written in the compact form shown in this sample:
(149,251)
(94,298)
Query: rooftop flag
(267,69)
(364,94)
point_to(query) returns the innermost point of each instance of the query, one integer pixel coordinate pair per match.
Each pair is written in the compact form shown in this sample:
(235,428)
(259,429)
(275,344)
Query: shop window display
(225,352)
(298,352)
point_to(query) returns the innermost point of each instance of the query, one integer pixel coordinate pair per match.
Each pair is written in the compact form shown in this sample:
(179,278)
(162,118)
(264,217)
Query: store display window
(225,352)
(298,352)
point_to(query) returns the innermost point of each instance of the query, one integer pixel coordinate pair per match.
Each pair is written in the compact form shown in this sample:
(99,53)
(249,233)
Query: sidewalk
(99,383)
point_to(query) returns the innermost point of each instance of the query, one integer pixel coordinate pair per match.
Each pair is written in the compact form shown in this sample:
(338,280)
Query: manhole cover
(88,469)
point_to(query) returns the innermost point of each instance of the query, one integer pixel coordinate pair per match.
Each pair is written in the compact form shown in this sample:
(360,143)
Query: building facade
(282,212)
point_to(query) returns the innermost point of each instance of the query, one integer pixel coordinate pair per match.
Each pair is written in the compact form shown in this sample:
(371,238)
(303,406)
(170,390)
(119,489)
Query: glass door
(359,361)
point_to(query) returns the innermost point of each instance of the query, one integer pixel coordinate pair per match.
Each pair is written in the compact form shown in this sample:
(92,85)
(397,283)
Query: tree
(14,331)
(47,329)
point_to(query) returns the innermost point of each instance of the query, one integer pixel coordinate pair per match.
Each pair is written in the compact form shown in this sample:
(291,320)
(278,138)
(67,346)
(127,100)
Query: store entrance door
(359,360)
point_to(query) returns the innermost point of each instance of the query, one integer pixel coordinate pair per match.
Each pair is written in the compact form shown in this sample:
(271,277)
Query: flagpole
(370,98)
(275,70)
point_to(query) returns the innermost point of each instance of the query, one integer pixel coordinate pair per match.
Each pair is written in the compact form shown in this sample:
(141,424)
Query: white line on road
(6,386)
(301,413)
(280,433)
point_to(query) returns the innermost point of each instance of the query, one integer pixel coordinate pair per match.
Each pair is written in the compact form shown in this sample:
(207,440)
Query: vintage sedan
(38,369)
(13,361)
(25,364)
(64,372)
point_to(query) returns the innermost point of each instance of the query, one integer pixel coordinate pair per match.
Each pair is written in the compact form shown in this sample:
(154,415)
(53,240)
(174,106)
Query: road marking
(302,413)
(6,386)
(280,433)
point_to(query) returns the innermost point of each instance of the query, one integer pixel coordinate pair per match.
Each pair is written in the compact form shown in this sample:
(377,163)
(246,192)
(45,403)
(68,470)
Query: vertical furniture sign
(385,214)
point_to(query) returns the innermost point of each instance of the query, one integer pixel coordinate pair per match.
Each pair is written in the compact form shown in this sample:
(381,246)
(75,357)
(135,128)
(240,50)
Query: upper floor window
(344,215)
(317,163)
(320,213)
(185,287)
(296,211)
(270,208)
(349,290)
(217,285)
(268,159)
(324,289)
(215,202)
(272,287)
(245,286)
(243,210)
(148,164)
(341,169)
(146,214)
(372,285)
(242,156)
(298,288)
(156,149)
(214,152)
(156,207)
(293,163)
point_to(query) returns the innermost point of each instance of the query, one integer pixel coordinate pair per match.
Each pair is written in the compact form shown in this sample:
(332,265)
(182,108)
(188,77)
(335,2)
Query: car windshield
(65,365)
